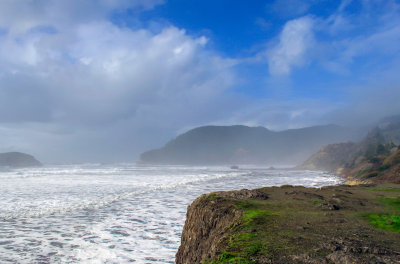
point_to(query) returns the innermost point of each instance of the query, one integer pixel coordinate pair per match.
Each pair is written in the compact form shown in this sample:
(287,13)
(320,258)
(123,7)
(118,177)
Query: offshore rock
(18,160)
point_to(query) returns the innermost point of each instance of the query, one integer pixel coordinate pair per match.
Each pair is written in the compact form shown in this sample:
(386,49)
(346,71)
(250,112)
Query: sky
(104,80)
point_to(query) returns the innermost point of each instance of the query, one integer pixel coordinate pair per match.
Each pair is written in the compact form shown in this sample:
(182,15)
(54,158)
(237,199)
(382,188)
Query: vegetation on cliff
(337,224)
(375,159)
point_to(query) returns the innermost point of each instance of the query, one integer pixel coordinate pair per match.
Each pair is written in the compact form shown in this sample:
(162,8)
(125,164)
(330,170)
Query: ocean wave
(49,209)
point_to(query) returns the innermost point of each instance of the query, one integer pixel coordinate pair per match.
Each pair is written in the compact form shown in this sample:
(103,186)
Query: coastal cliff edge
(294,224)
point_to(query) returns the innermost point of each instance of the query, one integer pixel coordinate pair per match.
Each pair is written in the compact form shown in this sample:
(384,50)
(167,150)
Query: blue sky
(102,80)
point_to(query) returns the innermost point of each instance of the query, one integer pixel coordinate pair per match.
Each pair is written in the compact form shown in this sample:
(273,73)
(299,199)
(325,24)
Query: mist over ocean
(114,213)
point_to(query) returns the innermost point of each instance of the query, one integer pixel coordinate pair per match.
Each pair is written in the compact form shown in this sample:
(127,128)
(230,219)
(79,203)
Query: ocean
(121,213)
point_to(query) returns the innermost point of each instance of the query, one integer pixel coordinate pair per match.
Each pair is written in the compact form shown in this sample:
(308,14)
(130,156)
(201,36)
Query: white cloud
(336,42)
(99,81)
(282,114)
(370,36)
(23,14)
(294,43)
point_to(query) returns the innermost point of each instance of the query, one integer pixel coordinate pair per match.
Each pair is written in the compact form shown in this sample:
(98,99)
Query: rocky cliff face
(207,219)
(18,159)
(204,229)
(341,224)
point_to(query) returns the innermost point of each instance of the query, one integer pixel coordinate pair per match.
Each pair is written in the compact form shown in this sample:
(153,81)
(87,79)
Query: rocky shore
(287,224)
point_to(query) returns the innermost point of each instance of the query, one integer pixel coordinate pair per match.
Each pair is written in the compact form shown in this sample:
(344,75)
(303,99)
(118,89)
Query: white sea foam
(122,213)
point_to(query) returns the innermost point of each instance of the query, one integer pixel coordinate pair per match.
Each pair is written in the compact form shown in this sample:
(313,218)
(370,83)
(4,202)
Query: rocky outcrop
(337,224)
(204,229)
(207,219)
(18,160)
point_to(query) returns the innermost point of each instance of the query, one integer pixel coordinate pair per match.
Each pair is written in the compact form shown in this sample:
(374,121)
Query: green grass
(317,201)
(211,196)
(390,220)
(225,258)
(246,241)
(385,190)
(252,217)
(392,202)
(385,221)
(252,237)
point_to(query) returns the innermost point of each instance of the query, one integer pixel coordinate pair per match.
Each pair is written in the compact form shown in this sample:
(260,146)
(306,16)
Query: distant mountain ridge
(218,145)
(18,159)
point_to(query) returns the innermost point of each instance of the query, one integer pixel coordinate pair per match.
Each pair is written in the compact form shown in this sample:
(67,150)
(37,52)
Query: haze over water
(114,213)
